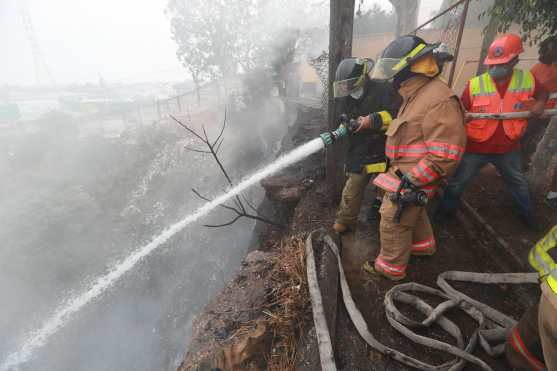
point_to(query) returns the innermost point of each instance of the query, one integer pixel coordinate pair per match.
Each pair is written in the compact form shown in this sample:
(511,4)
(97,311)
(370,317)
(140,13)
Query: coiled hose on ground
(493,326)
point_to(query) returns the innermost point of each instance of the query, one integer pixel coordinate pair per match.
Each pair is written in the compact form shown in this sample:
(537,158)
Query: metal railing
(451,29)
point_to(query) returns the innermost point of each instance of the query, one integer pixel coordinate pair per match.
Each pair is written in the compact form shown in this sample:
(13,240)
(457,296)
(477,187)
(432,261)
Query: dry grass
(282,311)
(288,303)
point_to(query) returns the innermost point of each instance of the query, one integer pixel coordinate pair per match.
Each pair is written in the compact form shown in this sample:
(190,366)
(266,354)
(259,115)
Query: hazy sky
(82,40)
(120,40)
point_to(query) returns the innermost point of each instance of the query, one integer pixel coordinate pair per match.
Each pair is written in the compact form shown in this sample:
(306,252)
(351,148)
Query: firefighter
(370,105)
(503,88)
(533,341)
(546,73)
(424,146)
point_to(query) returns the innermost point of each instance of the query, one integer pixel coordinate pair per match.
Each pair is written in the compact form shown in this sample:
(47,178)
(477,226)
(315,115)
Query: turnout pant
(523,348)
(509,165)
(547,322)
(351,201)
(413,235)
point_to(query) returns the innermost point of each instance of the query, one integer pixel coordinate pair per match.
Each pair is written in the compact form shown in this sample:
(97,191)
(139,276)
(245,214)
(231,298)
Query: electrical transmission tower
(41,68)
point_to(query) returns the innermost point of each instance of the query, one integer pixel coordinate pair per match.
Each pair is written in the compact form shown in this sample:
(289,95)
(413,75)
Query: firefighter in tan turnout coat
(424,145)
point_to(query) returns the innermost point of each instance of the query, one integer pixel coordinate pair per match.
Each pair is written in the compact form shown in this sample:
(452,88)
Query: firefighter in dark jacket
(367,108)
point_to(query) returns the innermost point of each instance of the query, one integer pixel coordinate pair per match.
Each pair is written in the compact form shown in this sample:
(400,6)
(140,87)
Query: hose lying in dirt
(493,326)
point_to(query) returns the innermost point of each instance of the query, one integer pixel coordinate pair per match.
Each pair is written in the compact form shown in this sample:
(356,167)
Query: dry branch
(213,147)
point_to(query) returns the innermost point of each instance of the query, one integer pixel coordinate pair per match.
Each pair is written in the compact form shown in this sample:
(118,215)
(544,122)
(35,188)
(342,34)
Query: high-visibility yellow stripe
(403,62)
(379,167)
(489,86)
(386,119)
(521,81)
(542,261)
(517,80)
(483,84)
(475,86)
(360,80)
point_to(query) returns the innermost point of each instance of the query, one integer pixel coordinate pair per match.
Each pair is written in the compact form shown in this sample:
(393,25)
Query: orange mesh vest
(485,99)
(546,74)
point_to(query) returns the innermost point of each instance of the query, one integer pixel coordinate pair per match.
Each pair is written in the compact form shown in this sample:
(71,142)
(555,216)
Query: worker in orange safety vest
(503,88)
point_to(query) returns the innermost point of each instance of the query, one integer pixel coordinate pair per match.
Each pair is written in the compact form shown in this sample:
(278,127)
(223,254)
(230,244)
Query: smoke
(67,222)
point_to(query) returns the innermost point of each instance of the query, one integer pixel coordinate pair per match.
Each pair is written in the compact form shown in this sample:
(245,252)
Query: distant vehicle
(9,114)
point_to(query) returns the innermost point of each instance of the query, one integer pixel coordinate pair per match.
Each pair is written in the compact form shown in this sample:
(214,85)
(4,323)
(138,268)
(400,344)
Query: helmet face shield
(344,88)
(350,77)
(386,68)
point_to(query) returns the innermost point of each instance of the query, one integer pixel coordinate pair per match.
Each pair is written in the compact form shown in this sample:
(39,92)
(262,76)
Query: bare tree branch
(197,150)
(264,220)
(209,200)
(218,146)
(224,224)
(205,134)
(250,205)
(222,129)
(213,148)
(187,128)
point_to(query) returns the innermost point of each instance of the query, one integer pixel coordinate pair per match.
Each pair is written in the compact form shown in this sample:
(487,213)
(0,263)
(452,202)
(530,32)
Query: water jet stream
(63,314)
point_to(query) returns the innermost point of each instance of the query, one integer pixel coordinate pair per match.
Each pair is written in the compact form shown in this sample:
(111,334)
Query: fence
(212,96)
(321,66)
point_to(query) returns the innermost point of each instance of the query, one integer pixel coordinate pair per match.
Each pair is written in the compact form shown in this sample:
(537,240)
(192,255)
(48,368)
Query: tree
(220,38)
(474,17)
(340,47)
(537,18)
(542,159)
(406,15)
(239,208)
(374,20)
(205,33)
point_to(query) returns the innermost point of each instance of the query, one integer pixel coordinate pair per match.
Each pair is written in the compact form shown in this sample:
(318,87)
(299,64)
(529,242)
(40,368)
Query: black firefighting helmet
(351,75)
(401,53)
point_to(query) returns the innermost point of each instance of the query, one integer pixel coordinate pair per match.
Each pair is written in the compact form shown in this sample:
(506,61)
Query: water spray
(70,307)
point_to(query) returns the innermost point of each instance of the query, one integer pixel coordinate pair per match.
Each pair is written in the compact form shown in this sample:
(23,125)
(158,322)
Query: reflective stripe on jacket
(485,98)
(541,260)
(427,139)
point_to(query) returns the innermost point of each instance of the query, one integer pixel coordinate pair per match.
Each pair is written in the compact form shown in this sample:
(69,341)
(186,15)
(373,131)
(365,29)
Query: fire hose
(509,115)
(493,326)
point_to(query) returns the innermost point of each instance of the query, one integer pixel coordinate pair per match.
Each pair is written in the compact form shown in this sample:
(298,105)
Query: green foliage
(204,34)
(220,38)
(537,18)
(475,17)
(374,20)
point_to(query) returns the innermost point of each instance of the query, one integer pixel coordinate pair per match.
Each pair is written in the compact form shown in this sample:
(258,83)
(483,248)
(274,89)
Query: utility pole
(340,47)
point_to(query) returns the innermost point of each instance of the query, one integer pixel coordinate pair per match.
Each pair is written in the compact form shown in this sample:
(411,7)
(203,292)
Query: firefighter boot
(390,271)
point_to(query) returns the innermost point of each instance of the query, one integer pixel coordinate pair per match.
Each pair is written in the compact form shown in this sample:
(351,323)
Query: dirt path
(461,246)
